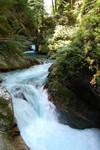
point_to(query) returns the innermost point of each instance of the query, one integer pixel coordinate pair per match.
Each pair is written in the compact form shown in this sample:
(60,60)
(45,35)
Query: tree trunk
(53,7)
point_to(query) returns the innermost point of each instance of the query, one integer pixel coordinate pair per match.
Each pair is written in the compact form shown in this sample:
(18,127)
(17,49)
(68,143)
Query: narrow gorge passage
(36,116)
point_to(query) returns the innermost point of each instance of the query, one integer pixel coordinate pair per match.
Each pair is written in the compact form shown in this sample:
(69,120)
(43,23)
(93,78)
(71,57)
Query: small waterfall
(36,116)
(32,50)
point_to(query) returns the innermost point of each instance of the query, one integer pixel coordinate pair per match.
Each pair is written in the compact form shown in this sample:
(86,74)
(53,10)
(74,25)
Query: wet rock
(1,81)
(16,131)
(6,120)
(18,93)
(20,144)
(6,142)
(82,89)
(3,93)
(10,138)
(17,139)
(77,101)
(19,63)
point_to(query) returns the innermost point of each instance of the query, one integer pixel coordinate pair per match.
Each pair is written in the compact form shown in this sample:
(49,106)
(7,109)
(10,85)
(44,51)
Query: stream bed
(36,116)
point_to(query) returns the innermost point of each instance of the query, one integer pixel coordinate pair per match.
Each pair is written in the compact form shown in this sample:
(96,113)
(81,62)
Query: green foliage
(5,5)
(61,37)
(67,15)
(45,33)
(16,18)
(10,47)
(21,4)
(59,29)
(88,36)
(70,62)
(38,12)
(82,55)
(98,79)
(15,25)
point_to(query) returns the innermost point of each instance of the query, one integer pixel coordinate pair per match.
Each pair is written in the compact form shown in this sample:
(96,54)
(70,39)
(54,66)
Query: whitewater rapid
(36,117)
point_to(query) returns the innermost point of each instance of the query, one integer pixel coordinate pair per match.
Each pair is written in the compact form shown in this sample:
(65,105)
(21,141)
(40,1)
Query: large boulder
(6,120)
(77,101)
(10,138)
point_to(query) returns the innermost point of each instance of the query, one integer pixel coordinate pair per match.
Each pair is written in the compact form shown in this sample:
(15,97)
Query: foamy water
(36,116)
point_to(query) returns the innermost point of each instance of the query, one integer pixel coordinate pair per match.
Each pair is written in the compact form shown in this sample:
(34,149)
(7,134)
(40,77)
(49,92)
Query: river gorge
(36,116)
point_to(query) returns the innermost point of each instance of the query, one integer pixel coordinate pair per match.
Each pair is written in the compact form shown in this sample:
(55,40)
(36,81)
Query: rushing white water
(36,116)
(33,49)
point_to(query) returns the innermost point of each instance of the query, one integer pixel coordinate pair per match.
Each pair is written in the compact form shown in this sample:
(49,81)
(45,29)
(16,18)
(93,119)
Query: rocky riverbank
(16,62)
(77,99)
(10,138)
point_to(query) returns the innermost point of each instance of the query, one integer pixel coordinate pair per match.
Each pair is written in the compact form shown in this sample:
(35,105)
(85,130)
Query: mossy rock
(6,115)
(6,124)
(75,99)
